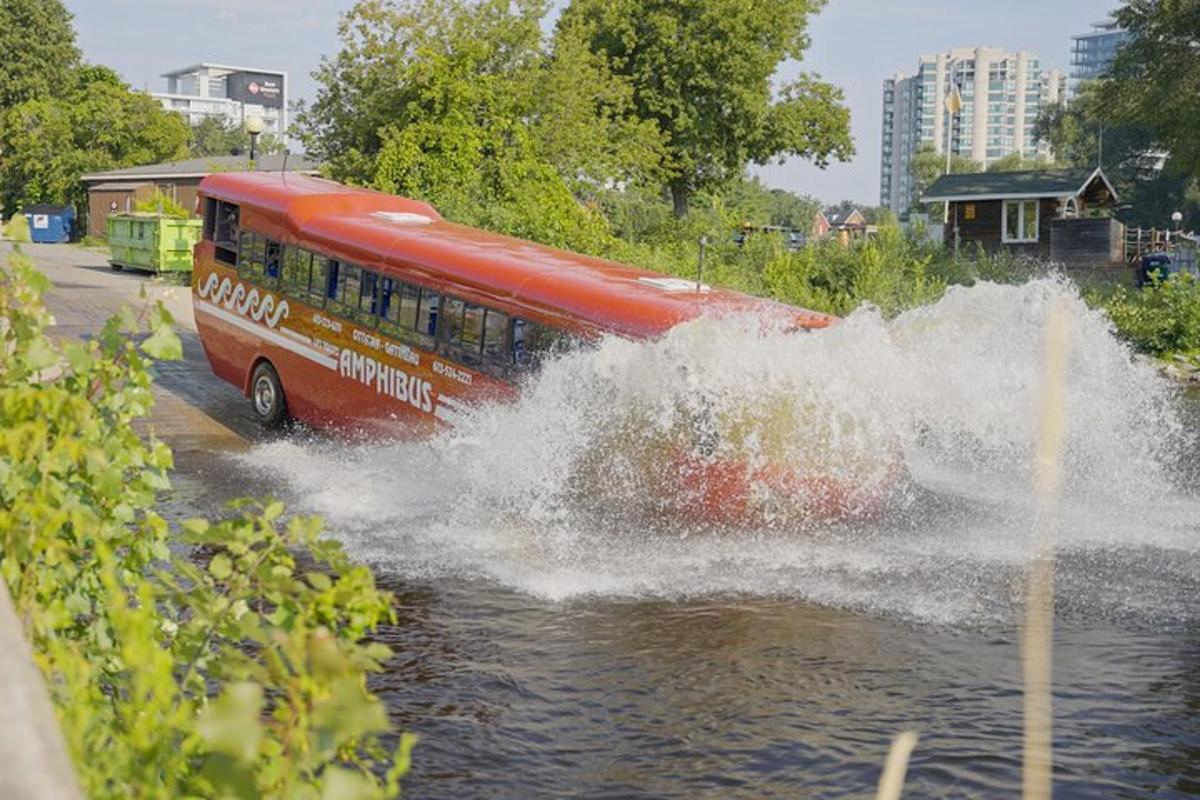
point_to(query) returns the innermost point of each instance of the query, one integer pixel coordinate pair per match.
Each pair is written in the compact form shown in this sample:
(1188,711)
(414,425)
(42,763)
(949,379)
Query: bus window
(427,314)
(343,288)
(225,229)
(451,320)
(332,283)
(472,334)
(533,343)
(251,255)
(409,300)
(297,264)
(271,262)
(368,298)
(210,218)
(495,332)
(318,286)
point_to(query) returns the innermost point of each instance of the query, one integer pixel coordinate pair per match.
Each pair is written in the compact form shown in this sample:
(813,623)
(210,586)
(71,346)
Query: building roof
(206,65)
(202,167)
(1015,185)
(839,218)
(118,186)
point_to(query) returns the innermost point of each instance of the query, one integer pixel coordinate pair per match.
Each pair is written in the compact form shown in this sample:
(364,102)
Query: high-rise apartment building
(233,94)
(1002,95)
(1093,53)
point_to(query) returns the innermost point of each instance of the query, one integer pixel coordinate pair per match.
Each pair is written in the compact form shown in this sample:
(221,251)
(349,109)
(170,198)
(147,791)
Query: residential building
(1002,95)
(1093,53)
(1043,214)
(232,94)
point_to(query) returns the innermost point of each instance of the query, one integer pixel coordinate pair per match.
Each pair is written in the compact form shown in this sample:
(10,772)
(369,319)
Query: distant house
(1040,213)
(820,225)
(120,190)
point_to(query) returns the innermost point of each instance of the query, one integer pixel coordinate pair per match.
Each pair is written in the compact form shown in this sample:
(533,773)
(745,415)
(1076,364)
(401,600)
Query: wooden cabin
(1047,214)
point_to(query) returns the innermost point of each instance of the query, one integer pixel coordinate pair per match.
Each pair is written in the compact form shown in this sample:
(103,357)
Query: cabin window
(1020,221)
(297,264)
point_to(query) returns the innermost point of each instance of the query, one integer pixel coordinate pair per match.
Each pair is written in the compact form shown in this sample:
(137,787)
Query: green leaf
(220,567)
(231,724)
(163,345)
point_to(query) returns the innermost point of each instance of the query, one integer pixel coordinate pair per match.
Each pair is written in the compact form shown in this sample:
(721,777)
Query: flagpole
(951,104)
(949,123)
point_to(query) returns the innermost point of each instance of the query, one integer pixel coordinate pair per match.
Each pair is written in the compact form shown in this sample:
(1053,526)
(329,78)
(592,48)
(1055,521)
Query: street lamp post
(254,127)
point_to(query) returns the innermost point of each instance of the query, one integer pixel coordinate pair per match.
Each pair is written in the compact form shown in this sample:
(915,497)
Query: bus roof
(576,291)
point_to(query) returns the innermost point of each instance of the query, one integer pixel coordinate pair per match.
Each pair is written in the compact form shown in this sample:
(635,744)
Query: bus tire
(267,400)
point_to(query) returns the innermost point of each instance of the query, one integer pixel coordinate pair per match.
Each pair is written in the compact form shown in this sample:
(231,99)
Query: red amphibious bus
(344,307)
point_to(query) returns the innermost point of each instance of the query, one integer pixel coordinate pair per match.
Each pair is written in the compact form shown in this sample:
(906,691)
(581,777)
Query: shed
(49,224)
(177,180)
(1040,213)
(114,197)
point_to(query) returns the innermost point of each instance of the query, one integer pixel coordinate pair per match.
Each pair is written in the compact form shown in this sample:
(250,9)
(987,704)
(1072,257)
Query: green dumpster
(153,242)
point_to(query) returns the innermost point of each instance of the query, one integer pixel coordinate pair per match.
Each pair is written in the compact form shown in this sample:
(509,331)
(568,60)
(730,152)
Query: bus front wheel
(266,396)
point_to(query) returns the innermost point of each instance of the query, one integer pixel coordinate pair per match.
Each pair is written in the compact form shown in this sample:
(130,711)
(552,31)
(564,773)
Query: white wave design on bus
(248,304)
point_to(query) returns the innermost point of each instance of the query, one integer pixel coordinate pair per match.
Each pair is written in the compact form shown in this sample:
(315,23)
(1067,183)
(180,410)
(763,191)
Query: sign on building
(256,88)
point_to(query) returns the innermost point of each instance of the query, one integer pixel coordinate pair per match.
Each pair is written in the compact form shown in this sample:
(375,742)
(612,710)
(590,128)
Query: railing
(1181,247)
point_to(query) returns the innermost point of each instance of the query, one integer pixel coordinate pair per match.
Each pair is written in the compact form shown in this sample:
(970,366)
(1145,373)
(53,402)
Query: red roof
(378,230)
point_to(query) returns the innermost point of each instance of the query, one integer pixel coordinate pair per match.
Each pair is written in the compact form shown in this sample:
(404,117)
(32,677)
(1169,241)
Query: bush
(1161,318)
(225,661)
(162,204)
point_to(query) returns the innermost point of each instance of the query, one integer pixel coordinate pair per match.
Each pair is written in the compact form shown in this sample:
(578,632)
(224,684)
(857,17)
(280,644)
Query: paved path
(196,413)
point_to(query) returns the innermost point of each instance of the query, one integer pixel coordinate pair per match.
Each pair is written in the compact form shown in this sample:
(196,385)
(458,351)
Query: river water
(563,631)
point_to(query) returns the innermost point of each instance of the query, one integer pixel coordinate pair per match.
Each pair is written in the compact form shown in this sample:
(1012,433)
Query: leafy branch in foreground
(227,661)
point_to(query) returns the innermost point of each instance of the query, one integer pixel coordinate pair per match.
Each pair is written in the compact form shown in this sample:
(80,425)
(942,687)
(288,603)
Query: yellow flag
(954,101)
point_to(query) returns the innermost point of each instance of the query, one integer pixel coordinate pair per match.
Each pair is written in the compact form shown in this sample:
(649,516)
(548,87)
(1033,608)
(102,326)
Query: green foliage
(1158,319)
(1151,183)
(162,204)
(214,136)
(1015,162)
(226,661)
(702,71)
(461,104)
(1153,81)
(89,120)
(38,47)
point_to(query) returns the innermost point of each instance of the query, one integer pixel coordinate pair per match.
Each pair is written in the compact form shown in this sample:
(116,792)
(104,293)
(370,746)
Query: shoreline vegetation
(224,658)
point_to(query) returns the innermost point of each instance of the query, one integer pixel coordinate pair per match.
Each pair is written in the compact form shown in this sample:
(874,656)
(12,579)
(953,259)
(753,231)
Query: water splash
(564,493)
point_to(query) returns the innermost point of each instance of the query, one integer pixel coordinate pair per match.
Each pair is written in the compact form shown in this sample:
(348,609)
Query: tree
(462,104)
(702,71)
(97,123)
(754,203)
(1154,78)
(214,136)
(1152,184)
(37,50)
(928,165)
(1016,162)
